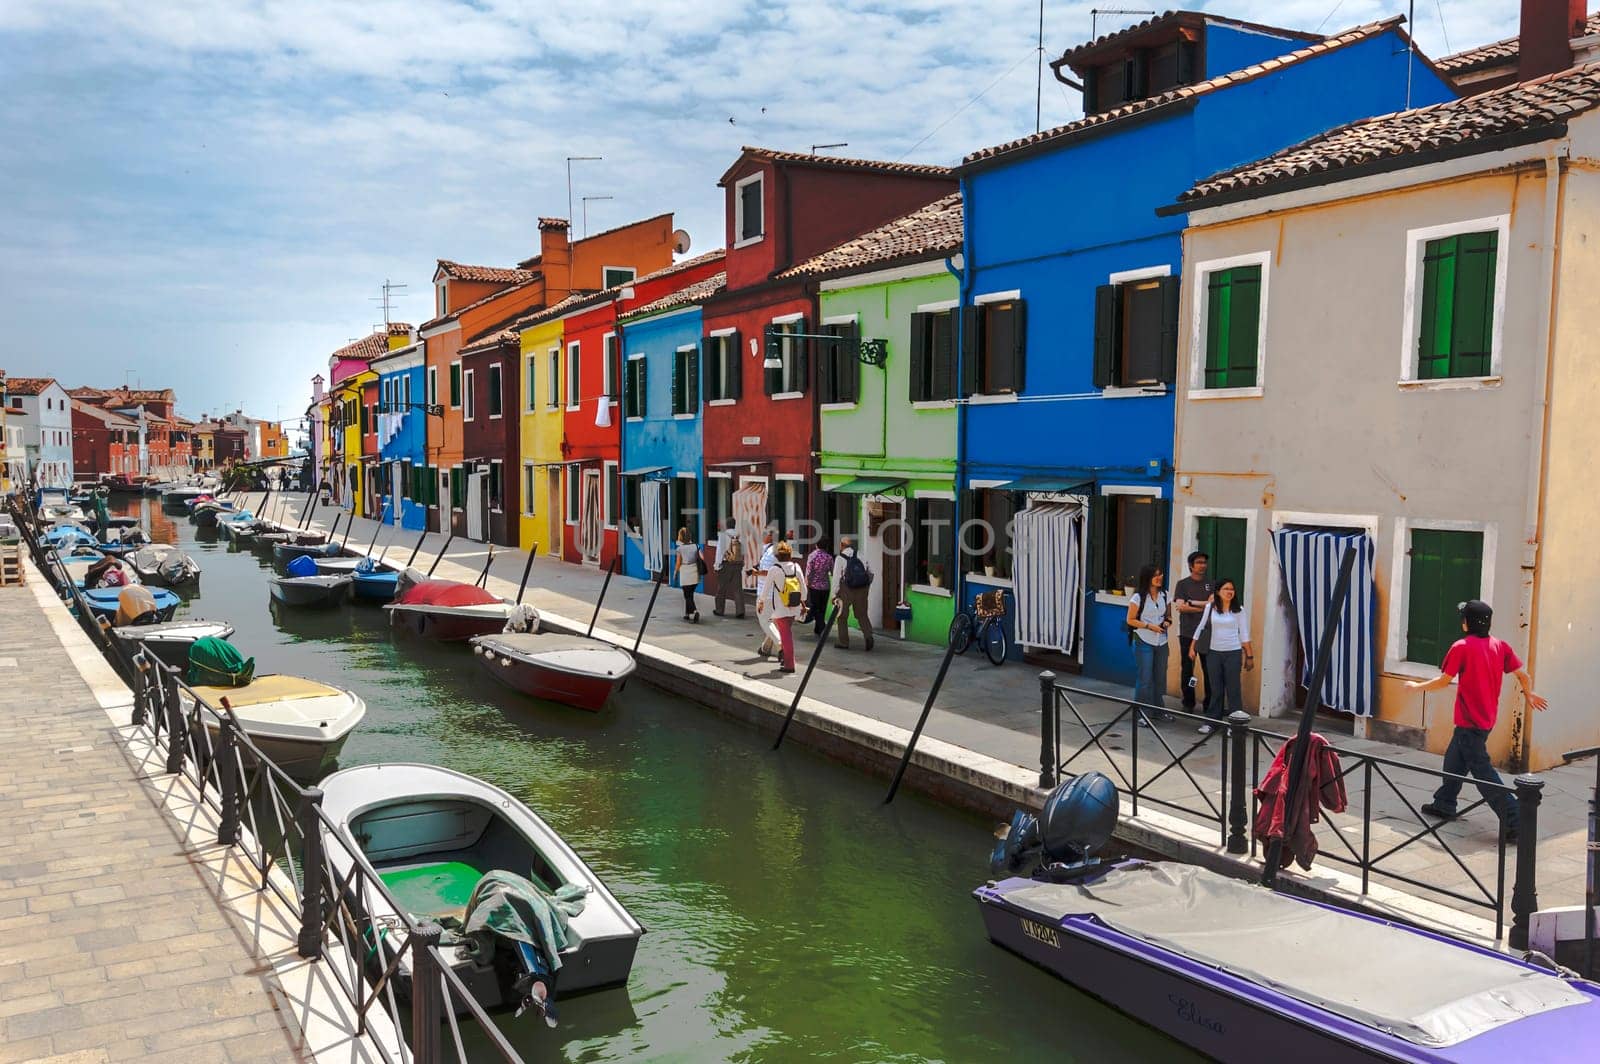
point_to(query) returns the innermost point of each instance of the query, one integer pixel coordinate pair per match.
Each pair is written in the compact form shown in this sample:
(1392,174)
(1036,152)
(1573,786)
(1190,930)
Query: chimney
(1545,44)
(555,259)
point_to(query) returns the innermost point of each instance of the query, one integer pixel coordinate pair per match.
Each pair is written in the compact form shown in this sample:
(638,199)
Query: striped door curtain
(651,530)
(590,534)
(1047,575)
(750,511)
(1310,559)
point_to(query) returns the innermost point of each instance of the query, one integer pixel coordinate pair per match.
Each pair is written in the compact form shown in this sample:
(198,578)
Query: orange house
(472,301)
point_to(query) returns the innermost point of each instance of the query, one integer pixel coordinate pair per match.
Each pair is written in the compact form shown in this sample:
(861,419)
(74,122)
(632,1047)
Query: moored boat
(574,670)
(177,498)
(170,640)
(164,565)
(443,843)
(205,514)
(310,591)
(446,610)
(102,602)
(284,552)
(298,724)
(88,567)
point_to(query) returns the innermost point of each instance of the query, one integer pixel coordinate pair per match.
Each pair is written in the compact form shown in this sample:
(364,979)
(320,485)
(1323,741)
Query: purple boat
(1243,973)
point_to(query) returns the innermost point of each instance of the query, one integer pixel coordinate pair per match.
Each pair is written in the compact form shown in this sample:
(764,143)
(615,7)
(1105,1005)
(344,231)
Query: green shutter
(1472,327)
(644,387)
(1233,322)
(771,379)
(1107,309)
(734,385)
(1222,539)
(1438,308)
(613,356)
(971,349)
(455,385)
(1446,569)
(678,367)
(1100,553)
(691,381)
(921,348)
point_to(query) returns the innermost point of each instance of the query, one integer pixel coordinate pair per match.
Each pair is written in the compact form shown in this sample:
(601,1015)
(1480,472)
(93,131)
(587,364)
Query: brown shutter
(850,353)
(1019,346)
(971,349)
(921,345)
(1169,330)
(1107,306)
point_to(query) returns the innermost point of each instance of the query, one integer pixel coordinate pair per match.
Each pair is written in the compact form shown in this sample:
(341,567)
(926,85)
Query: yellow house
(542,434)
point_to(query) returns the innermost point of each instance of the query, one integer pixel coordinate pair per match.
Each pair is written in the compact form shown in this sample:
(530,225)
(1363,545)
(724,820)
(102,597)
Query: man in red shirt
(1479,663)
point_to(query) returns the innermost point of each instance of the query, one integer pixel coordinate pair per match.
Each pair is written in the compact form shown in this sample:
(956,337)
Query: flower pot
(988,570)
(935,580)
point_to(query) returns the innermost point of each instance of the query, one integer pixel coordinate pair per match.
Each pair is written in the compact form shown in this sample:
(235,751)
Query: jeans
(1152,664)
(1189,671)
(1222,677)
(817,606)
(1468,755)
(688,600)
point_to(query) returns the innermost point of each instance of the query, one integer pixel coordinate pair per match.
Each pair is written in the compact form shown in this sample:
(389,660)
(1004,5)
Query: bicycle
(984,625)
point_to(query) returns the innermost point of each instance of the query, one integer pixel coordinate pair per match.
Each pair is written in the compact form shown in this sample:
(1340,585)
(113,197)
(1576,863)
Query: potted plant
(935,575)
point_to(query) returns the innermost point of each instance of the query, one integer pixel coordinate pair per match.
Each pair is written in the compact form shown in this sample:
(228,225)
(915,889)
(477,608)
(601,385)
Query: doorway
(553,511)
(590,536)
(886,545)
(477,495)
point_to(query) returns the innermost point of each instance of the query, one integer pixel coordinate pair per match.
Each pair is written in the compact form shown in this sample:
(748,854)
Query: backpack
(792,593)
(856,574)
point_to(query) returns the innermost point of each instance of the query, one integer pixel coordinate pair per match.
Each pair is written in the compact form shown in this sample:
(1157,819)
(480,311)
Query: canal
(790,916)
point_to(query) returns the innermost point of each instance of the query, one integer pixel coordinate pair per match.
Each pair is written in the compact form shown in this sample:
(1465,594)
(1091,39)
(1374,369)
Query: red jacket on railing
(1324,788)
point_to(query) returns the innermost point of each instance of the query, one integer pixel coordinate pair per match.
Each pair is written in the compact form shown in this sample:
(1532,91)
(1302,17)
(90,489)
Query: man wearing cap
(1478,662)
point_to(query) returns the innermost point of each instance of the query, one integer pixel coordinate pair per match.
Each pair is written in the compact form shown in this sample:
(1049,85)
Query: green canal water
(790,916)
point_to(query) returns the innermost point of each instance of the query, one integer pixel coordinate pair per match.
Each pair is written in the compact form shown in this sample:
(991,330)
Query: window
(932,361)
(748,216)
(686,380)
(933,524)
(407,392)
(1230,328)
(496,484)
(472,396)
(458,488)
(495,397)
(722,366)
(455,385)
(986,531)
(1140,74)
(574,356)
(631,506)
(573,474)
(441,299)
(787,505)
(685,504)
(996,337)
(613,494)
(611,383)
(789,378)
(553,397)
(615,276)
(528,475)
(364,419)
(1446,567)
(529,382)
(1136,333)
(1127,532)
(635,397)
(445,490)
(838,366)
(433,385)
(1224,541)
(1455,337)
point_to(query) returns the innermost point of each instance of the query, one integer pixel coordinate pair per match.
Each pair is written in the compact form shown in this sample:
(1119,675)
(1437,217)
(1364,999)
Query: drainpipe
(1528,604)
(968,211)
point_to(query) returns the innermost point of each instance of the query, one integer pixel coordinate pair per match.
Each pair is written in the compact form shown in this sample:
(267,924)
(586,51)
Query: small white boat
(170,640)
(299,724)
(433,835)
(574,670)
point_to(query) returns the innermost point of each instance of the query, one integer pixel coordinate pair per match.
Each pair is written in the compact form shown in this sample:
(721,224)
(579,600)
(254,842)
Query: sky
(209,196)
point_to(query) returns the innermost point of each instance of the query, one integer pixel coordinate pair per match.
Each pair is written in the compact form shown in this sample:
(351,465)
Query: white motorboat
(164,565)
(438,839)
(299,724)
(575,670)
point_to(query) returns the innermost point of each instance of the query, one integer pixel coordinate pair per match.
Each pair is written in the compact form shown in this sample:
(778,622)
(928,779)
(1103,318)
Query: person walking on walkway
(819,577)
(1225,627)
(1479,663)
(852,580)
(785,597)
(1148,618)
(730,570)
(686,567)
(762,568)
(1192,596)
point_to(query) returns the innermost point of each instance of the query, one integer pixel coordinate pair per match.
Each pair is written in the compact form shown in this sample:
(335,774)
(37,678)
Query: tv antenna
(390,290)
(570,160)
(1096,12)
(839,144)
(586,200)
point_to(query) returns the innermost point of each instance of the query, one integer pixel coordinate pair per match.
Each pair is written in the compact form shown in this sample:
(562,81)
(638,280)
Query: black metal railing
(1154,770)
(288,843)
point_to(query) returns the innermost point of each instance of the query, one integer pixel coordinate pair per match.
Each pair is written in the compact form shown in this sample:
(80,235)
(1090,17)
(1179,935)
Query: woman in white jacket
(781,607)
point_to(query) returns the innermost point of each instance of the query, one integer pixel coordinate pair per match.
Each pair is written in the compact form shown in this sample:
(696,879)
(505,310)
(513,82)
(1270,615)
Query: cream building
(1390,336)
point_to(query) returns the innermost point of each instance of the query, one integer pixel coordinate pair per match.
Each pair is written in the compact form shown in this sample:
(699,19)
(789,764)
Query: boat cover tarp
(133,603)
(274,687)
(304,565)
(519,909)
(218,663)
(446,593)
(1419,988)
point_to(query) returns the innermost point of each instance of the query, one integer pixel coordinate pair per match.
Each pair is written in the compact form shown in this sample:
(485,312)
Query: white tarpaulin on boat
(1423,989)
(1048,578)
(650,527)
(750,511)
(1310,558)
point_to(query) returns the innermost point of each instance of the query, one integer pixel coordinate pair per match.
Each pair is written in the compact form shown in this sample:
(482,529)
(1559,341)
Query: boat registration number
(1040,933)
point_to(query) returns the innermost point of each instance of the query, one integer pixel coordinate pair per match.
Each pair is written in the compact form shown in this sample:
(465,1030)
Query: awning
(645,470)
(866,486)
(736,465)
(1050,485)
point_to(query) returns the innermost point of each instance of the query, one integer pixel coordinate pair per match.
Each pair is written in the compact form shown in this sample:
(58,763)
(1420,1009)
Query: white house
(46,428)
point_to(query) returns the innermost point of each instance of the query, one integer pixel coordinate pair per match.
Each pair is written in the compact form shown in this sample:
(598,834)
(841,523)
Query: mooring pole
(805,678)
(927,707)
(612,568)
(533,552)
(447,541)
(415,549)
(373,545)
(348,525)
(483,577)
(1302,739)
(661,578)
(305,513)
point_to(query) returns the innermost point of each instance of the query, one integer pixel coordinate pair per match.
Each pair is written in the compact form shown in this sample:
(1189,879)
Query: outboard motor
(1078,819)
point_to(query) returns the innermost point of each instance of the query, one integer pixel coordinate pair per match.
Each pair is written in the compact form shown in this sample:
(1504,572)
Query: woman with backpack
(785,588)
(686,567)
(1147,625)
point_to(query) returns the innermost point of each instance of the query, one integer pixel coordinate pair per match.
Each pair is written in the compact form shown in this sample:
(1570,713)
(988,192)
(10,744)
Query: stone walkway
(112,946)
(995,712)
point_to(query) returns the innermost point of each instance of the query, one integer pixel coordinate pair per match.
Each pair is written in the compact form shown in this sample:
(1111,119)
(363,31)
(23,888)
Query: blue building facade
(403,437)
(662,452)
(1070,299)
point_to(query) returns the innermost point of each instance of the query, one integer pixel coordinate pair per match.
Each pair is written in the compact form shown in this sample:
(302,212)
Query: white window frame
(1415,239)
(529,487)
(442,475)
(441,298)
(738,210)
(531,399)
(1111,598)
(785,319)
(501,391)
(731,366)
(700,505)
(1394,658)
(553,400)
(608,469)
(574,374)
(433,385)
(469,406)
(632,273)
(609,345)
(678,355)
(1200,308)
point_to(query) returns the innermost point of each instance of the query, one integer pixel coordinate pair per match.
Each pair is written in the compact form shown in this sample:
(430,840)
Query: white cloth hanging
(1047,577)
(650,528)
(750,515)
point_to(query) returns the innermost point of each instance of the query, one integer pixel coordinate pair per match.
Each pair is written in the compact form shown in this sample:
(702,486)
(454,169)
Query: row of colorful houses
(1276,295)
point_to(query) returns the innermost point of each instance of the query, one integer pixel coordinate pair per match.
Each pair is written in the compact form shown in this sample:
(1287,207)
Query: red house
(760,411)
(103,441)
(491,429)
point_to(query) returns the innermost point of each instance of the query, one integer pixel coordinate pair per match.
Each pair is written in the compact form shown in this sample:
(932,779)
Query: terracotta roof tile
(837,162)
(28,385)
(698,292)
(534,275)
(1498,53)
(1527,105)
(1185,93)
(109,418)
(928,232)
(582,300)
(457,271)
(367,348)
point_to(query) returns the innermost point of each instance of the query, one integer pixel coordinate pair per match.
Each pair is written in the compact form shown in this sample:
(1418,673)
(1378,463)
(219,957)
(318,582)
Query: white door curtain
(651,530)
(1047,575)
(750,513)
(591,535)
(1310,560)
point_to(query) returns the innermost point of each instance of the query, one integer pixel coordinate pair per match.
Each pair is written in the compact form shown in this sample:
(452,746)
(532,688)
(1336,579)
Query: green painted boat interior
(433,888)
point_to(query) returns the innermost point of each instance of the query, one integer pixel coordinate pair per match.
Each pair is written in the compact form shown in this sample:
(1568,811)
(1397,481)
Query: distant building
(104,442)
(47,428)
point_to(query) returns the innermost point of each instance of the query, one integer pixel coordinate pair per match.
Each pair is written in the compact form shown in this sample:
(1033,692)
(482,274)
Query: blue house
(662,453)
(407,488)
(1071,306)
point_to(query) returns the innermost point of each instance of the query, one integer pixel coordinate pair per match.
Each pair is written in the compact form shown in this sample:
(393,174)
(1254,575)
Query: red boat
(572,669)
(447,610)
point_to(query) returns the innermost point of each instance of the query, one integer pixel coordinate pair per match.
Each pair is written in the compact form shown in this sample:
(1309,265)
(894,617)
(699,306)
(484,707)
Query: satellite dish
(680,241)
